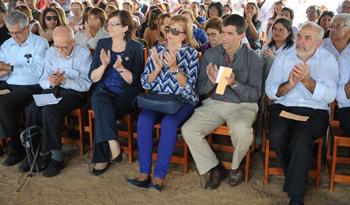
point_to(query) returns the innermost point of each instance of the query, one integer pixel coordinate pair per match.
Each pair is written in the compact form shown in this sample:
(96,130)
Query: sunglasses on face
(55,18)
(184,2)
(206,4)
(174,31)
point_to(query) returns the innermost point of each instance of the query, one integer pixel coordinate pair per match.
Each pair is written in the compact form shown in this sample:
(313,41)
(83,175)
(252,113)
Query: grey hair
(14,17)
(320,33)
(71,32)
(343,16)
(318,10)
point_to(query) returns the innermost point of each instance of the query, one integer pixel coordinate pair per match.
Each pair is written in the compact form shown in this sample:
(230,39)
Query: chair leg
(247,162)
(267,150)
(186,152)
(334,162)
(91,124)
(130,140)
(319,158)
(81,133)
(329,146)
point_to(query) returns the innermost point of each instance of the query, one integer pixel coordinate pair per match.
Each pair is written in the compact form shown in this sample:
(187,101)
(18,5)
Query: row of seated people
(303,81)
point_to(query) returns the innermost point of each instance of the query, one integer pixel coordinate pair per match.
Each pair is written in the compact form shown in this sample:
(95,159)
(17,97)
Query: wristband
(121,71)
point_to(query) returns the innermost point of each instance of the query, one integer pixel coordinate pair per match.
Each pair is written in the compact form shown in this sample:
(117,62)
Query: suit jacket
(132,60)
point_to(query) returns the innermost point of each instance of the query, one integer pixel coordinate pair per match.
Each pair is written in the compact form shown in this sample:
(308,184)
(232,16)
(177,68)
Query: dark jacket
(132,60)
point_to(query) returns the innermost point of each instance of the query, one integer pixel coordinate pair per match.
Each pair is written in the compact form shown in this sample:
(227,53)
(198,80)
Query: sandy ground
(75,185)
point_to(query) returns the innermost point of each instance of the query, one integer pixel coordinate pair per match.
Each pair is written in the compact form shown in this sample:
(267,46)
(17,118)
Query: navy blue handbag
(165,103)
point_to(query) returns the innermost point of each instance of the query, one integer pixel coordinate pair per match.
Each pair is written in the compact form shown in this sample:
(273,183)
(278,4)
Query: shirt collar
(236,53)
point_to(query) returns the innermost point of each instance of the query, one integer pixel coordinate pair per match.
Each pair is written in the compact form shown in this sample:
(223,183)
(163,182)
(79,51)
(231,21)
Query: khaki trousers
(238,117)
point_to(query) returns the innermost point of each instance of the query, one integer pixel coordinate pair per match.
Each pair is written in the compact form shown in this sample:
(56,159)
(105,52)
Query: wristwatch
(11,69)
(121,71)
(233,86)
(177,71)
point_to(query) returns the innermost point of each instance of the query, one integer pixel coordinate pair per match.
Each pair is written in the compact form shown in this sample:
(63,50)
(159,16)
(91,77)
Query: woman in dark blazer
(116,67)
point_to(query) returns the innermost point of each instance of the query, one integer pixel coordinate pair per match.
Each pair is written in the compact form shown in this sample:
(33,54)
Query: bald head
(63,37)
(63,32)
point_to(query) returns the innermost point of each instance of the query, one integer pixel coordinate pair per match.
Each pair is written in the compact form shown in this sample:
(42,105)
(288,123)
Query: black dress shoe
(155,187)
(295,203)
(54,168)
(42,161)
(96,172)
(142,184)
(119,158)
(14,157)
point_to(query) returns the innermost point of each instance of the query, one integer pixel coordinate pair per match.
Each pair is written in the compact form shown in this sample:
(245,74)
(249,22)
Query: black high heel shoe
(119,158)
(97,172)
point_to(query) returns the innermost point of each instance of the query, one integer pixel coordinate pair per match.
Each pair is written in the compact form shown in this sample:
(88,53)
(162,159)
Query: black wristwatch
(11,69)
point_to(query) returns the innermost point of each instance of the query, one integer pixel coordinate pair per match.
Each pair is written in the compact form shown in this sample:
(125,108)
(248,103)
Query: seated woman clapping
(116,68)
(170,68)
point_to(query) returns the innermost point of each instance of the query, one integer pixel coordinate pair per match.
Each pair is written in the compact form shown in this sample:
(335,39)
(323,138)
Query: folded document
(45,99)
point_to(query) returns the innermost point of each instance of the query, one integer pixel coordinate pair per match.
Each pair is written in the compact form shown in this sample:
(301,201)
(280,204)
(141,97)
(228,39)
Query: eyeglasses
(55,18)
(280,30)
(126,7)
(336,26)
(114,24)
(76,7)
(185,2)
(311,12)
(345,7)
(174,31)
(16,33)
(250,7)
(214,10)
(208,35)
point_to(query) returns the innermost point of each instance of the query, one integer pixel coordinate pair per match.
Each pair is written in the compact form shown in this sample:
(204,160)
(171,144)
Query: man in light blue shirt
(302,82)
(66,69)
(21,62)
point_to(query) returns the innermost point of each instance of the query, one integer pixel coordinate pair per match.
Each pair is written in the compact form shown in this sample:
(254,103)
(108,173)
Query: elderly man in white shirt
(339,36)
(303,83)
(21,62)
(66,69)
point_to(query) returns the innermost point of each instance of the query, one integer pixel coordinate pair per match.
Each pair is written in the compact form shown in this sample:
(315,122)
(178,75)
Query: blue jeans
(170,123)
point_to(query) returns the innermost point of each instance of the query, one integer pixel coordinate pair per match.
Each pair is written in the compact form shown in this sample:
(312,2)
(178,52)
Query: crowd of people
(300,61)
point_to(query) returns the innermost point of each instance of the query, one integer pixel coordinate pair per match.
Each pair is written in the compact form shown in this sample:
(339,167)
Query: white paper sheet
(221,69)
(45,99)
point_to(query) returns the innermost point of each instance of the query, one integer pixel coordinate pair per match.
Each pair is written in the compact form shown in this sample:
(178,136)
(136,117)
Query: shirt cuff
(342,95)
(319,91)
(238,87)
(69,84)
(274,89)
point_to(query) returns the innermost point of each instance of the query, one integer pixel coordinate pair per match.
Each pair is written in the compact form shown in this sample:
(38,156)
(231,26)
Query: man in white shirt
(339,36)
(303,83)
(22,61)
(66,69)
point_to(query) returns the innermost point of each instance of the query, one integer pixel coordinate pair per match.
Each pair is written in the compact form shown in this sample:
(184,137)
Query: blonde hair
(80,4)
(130,4)
(185,25)
(186,11)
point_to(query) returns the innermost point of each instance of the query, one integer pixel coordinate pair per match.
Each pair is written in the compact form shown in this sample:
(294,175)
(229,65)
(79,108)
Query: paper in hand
(220,79)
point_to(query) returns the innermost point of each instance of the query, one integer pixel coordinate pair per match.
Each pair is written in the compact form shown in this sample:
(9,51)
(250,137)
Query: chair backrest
(92,50)
(267,100)
(145,55)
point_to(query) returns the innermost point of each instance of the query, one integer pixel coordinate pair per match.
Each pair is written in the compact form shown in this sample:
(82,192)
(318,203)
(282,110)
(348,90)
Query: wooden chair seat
(339,139)
(224,130)
(130,118)
(267,153)
(175,159)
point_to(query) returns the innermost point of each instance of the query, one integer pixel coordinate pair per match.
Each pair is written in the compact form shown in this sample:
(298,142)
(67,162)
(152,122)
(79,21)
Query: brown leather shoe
(214,180)
(236,176)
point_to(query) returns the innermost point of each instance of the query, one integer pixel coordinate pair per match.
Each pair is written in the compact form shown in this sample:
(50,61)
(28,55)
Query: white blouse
(82,40)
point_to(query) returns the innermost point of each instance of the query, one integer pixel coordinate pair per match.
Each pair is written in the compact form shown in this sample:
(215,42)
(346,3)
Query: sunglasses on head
(174,31)
(55,18)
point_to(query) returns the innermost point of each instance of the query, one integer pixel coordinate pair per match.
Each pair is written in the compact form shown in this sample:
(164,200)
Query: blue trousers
(170,123)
